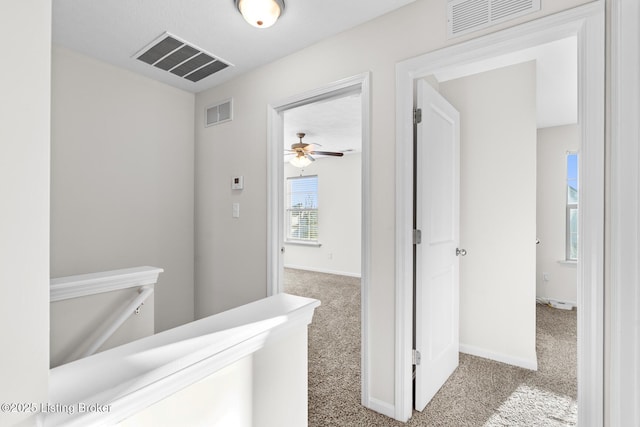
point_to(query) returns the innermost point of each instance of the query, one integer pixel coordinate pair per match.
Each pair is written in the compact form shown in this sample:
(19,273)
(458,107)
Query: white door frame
(275,196)
(587,23)
(625,213)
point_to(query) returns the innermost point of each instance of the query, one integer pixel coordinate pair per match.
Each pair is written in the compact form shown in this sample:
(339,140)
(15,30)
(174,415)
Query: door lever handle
(461,252)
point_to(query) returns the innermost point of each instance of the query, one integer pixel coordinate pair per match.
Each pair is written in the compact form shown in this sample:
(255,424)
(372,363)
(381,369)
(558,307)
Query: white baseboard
(558,303)
(381,407)
(499,357)
(322,270)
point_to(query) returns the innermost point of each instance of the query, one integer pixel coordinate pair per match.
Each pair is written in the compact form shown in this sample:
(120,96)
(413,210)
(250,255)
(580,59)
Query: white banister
(94,283)
(103,334)
(143,278)
(107,388)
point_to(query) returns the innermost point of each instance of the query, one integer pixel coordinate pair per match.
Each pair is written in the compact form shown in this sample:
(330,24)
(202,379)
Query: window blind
(302,208)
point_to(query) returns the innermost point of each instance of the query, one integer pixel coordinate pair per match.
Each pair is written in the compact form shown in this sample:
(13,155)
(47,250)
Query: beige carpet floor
(480,392)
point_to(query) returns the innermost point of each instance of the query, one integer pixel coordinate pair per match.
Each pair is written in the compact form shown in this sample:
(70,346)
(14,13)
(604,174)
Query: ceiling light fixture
(260,13)
(300,161)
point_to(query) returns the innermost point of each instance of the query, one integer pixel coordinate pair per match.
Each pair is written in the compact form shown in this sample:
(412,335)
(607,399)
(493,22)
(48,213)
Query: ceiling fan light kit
(300,161)
(260,13)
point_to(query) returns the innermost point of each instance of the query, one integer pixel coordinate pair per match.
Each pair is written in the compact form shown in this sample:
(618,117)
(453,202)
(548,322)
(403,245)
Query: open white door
(437,262)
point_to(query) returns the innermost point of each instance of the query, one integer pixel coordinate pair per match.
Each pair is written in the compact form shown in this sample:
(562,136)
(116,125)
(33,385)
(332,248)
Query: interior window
(572,207)
(302,208)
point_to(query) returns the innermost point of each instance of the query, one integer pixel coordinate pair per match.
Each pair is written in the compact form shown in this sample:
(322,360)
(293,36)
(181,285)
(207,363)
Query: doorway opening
(586,24)
(291,218)
(509,144)
(322,240)
(322,186)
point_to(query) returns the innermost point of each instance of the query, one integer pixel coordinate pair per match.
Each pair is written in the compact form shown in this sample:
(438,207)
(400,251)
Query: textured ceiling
(115,30)
(330,125)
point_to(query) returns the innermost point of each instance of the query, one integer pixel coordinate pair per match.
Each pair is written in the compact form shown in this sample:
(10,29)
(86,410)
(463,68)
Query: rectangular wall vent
(218,113)
(171,54)
(466,16)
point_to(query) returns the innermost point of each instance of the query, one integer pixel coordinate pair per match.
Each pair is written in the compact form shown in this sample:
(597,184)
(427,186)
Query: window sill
(568,262)
(302,243)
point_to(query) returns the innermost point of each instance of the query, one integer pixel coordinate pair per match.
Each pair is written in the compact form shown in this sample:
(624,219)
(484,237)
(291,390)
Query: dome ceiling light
(260,13)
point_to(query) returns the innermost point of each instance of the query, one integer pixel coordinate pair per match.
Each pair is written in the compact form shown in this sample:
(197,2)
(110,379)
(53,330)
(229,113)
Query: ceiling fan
(304,153)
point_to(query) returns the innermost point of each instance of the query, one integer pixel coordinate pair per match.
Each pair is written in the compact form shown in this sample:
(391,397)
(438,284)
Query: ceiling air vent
(171,54)
(466,16)
(218,113)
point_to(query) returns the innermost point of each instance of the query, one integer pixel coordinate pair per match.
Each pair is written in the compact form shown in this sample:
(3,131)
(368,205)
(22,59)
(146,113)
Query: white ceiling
(115,30)
(336,124)
(330,125)
(556,78)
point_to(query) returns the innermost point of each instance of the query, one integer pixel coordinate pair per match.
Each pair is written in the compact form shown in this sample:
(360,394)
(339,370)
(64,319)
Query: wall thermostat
(237,183)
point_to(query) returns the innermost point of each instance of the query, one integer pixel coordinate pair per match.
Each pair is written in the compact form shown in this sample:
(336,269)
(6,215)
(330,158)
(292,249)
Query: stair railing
(144,278)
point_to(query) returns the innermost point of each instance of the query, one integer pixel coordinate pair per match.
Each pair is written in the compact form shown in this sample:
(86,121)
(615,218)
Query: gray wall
(122,179)
(75,323)
(497,212)
(553,145)
(24,273)
(231,256)
(340,218)
(25,40)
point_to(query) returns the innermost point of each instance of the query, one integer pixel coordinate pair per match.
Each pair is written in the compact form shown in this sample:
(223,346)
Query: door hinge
(415,357)
(417,115)
(417,237)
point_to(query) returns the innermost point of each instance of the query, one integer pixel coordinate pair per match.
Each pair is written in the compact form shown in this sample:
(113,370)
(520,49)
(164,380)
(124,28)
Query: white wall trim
(128,387)
(275,196)
(551,301)
(381,407)
(322,270)
(303,243)
(82,285)
(499,357)
(625,214)
(587,23)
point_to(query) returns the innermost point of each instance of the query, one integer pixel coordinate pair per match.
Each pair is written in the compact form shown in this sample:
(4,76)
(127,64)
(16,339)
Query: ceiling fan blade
(329,153)
(304,149)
